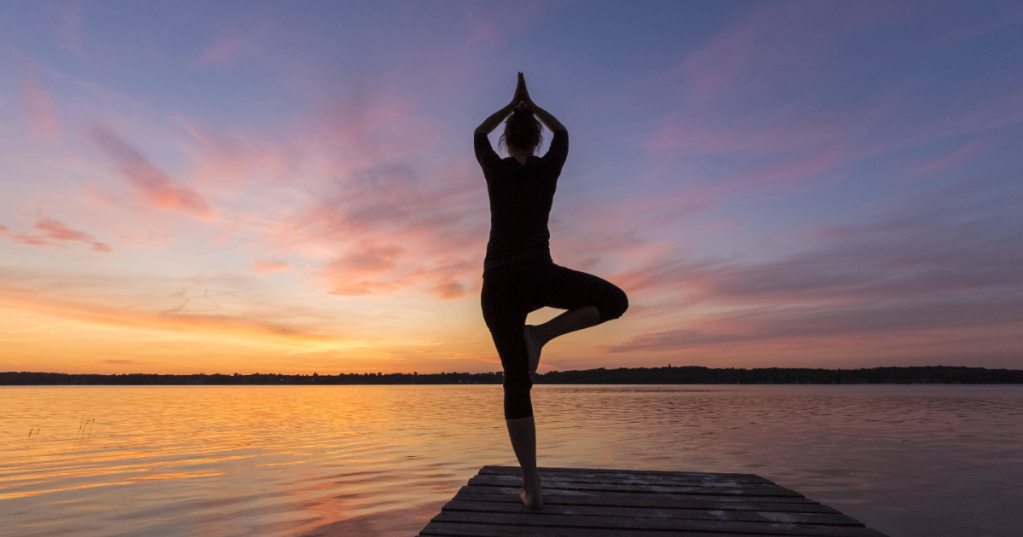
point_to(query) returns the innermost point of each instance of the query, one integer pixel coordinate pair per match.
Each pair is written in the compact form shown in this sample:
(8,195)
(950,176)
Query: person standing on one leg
(519,275)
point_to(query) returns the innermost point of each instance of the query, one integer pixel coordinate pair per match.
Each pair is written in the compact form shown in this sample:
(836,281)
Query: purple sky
(290,186)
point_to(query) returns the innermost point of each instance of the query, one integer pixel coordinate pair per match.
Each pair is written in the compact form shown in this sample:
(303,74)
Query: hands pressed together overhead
(521,97)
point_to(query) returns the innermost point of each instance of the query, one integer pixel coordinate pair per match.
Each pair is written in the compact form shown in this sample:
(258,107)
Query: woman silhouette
(519,275)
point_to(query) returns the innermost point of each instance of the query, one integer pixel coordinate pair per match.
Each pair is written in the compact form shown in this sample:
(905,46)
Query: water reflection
(381,460)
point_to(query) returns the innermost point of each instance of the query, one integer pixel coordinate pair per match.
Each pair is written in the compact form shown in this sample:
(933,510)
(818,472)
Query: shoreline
(687,375)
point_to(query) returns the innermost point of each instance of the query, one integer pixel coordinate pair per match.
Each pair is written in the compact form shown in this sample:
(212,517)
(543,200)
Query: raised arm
(521,97)
(546,118)
(495,119)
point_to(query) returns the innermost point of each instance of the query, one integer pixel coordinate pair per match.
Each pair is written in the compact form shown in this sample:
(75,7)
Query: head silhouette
(522,132)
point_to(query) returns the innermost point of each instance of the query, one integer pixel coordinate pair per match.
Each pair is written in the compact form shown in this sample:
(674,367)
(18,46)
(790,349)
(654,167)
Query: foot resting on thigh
(530,493)
(534,342)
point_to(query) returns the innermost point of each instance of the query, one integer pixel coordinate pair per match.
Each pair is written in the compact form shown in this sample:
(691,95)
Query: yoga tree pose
(519,275)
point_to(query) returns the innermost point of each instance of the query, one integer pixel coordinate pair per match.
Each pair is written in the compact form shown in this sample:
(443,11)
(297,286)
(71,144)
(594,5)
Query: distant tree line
(638,375)
(12,378)
(781,375)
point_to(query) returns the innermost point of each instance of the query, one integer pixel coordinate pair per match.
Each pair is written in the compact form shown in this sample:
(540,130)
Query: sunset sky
(290,187)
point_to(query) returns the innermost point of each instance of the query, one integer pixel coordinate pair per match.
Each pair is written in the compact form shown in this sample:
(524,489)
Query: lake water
(382,460)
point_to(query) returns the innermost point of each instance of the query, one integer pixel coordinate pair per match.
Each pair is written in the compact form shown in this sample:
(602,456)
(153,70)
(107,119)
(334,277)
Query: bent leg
(569,321)
(589,300)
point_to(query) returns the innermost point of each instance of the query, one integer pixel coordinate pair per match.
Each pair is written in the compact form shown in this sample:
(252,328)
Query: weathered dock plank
(554,483)
(518,471)
(485,530)
(646,512)
(662,501)
(623,479)
(610,475)
(621,503)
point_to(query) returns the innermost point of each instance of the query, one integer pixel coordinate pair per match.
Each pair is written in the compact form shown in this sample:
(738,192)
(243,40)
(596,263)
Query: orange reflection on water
(381,460)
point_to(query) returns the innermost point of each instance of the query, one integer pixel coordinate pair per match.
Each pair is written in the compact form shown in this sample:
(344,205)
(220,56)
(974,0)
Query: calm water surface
(381,460)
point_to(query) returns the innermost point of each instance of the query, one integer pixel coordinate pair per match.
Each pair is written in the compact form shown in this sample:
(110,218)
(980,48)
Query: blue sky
(253,186)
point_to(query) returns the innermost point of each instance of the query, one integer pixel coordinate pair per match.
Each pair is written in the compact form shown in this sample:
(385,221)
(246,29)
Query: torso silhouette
(521,196)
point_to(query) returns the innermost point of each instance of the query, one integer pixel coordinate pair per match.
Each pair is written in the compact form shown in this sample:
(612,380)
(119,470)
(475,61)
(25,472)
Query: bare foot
(531,495)
(534,342)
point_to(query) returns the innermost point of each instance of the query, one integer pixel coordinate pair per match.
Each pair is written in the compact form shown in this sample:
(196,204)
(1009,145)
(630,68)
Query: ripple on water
(381,460)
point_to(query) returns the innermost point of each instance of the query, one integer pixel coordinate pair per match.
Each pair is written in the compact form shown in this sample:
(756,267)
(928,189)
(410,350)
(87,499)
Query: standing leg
(505,315)
(518,408)
(523,438)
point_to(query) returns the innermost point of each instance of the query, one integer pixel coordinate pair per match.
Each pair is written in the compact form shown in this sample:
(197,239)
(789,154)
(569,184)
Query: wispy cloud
(221,325)
(269,265)
(492,23)
(743,179)
(953,160)
(943,263)
(150,183)
(40,111)
(51,232)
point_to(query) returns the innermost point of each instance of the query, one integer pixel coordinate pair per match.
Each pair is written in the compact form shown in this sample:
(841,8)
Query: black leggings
(511,292)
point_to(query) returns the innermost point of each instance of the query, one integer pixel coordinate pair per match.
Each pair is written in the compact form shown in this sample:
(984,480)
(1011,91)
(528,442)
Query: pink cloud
(393,217)
(944,247)
(449,290)
(853,135)
(270,265)
(701,131)
(41,113)
(366,184)
(774,44)
(233,160)
(373,269)
(394,251)
(369,259)
(725,226)
(148,239)
(279,325)
(980,116)
(151,183)
(818,324)
(251,38)
(52,231)
(359,271)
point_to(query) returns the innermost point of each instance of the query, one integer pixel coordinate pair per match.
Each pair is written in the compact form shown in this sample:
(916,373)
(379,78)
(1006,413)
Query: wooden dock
(581,502)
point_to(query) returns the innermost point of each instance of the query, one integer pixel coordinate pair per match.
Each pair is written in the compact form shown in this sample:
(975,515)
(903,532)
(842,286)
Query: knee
(517,403)
(615,306)
(517,380)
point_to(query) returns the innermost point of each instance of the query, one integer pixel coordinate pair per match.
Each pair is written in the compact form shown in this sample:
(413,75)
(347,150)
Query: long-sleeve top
(521,196)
